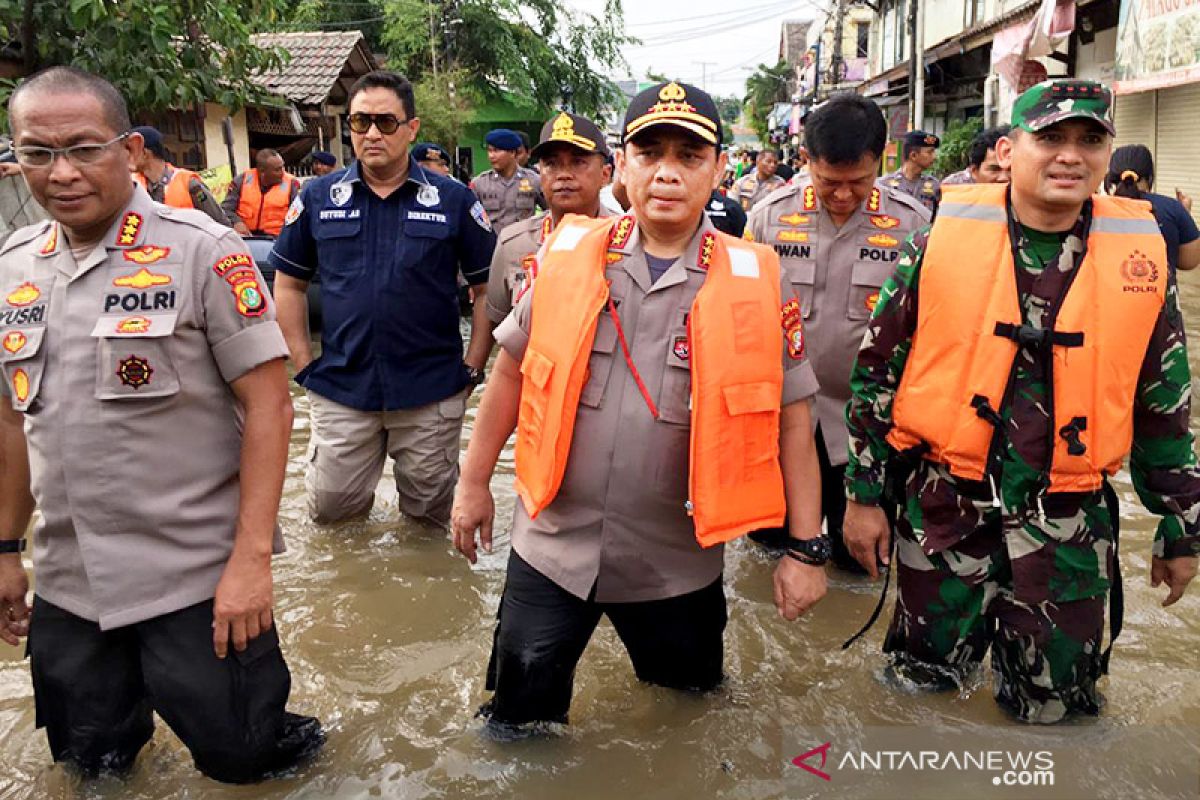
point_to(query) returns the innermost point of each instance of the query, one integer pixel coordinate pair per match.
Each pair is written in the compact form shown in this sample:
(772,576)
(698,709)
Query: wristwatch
(474,376)
(11,545)
(815,552)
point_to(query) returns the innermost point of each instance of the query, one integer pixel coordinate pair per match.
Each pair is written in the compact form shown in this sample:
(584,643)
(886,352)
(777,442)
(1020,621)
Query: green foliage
(765,87)
(538,49)
(444,105)
(956,145)
(343,15)
(159,54)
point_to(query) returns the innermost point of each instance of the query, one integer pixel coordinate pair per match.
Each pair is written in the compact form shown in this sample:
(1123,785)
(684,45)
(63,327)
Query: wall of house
(214,145)
(1095,61)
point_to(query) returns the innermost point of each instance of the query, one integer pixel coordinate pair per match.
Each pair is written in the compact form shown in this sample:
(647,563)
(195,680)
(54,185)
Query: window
(863,33)
(973,12)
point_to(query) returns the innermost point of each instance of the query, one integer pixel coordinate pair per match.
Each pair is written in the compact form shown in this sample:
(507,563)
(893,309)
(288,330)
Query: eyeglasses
(386,123)
(80,155)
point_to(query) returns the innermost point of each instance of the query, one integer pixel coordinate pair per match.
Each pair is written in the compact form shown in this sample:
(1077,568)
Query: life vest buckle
(1070,432)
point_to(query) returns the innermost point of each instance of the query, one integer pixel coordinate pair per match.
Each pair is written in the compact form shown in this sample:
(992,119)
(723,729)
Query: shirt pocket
(675,396)
(526,201)
(340,249)
(134,357)
(600,362)
(23,362)
(422,241)
(803,275)
(865,279)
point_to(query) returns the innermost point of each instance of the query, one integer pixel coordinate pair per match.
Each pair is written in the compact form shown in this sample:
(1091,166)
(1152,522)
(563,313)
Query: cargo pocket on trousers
(450,422)
(260,687)
(134,357)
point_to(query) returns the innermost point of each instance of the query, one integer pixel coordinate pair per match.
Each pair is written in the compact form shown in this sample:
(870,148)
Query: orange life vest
(964,350)
(264,212)
(177,193)
(735,342)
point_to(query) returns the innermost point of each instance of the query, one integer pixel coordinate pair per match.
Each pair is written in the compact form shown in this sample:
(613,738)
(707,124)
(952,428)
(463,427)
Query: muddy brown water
(387,631)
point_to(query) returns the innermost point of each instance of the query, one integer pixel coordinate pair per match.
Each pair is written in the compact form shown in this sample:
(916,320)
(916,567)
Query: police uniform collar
(692,256)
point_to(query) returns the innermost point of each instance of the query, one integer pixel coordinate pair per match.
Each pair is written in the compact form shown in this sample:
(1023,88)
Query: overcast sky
(733,37)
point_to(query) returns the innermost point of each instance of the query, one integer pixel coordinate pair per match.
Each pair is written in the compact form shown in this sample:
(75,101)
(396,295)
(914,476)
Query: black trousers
(833,511)
(543,629)
(94,692)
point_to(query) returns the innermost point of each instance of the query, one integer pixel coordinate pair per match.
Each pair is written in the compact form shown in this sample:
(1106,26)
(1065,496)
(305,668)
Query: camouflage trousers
(1031,588)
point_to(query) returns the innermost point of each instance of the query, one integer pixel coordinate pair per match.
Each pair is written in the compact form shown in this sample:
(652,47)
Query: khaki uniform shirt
(122,365)
(926,188)
(837,273)
(515,252)
(749,189)
(618,523)
(508,200)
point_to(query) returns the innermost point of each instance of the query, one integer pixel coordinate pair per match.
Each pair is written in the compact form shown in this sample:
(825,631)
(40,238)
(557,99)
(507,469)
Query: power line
(714,29)
(675,20)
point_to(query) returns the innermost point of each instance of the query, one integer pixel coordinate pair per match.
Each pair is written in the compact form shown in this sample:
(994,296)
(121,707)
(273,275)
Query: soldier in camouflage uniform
(1001,562)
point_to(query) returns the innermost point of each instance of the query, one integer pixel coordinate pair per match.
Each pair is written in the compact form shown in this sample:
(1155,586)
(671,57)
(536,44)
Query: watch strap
(12,545)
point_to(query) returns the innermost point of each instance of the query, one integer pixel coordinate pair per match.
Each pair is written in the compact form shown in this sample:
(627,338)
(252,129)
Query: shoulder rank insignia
(142,279)
(883,240)
(809,202)
(620,233)
(708,244)
(547,227)
(873,200)
(131,225)
(747,234)
(24,295)
(794,219)
(529,264)
(884,222)
(146,254)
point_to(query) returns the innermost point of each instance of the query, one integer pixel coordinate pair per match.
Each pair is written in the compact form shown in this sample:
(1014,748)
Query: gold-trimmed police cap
(679,104)
(571,129)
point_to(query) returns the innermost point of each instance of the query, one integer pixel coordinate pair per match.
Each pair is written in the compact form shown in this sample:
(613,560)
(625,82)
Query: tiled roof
(318,59)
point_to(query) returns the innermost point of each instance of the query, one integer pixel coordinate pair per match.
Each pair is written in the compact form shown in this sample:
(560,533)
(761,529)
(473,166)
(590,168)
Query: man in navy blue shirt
(389,239)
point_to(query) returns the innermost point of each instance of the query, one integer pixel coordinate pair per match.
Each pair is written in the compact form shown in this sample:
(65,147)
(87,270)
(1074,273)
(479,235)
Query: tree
(158,54)
(444,105)
(765,87)
(955,150)
(539,49)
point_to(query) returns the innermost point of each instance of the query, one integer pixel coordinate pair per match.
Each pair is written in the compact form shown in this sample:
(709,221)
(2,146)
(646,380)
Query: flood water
(387,631)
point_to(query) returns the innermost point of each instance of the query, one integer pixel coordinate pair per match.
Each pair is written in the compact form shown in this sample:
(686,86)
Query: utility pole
(433,42)
(836,61)
(704,65)
(916,68)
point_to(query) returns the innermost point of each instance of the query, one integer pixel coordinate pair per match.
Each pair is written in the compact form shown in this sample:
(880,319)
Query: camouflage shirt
(1162,463)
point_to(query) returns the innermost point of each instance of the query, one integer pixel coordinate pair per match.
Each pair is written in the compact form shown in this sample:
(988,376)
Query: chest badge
(135,371)
(883,240)
(525,186)
(142,279)
(872,301)
(428,195)
(20,380)
(340,193)
(884,222)
(23,295)
(799,237)
(137,324)
(680,348)
(146,254)
(14,341)
(794,219)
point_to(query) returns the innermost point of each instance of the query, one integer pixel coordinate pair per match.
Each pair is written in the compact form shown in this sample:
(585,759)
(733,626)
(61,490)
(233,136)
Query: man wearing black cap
(920,151)
(169,184)
(323,163)
(644,339)
(572,160)
(508,191)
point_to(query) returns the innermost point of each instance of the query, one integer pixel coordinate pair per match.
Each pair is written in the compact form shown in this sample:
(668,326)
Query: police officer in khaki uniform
(919,153)
(573,162)
(508,191)
(617,538)
(838,235)
(132,333)
(749,189)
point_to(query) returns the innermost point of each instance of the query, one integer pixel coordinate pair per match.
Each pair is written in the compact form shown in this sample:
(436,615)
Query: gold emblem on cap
(564,131)
(673,106)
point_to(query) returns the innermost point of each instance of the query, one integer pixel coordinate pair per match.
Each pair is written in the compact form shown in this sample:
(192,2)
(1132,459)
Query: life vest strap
(637,376)
(1032,338)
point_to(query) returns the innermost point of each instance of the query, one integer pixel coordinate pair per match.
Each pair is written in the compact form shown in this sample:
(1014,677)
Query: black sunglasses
(386,123)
